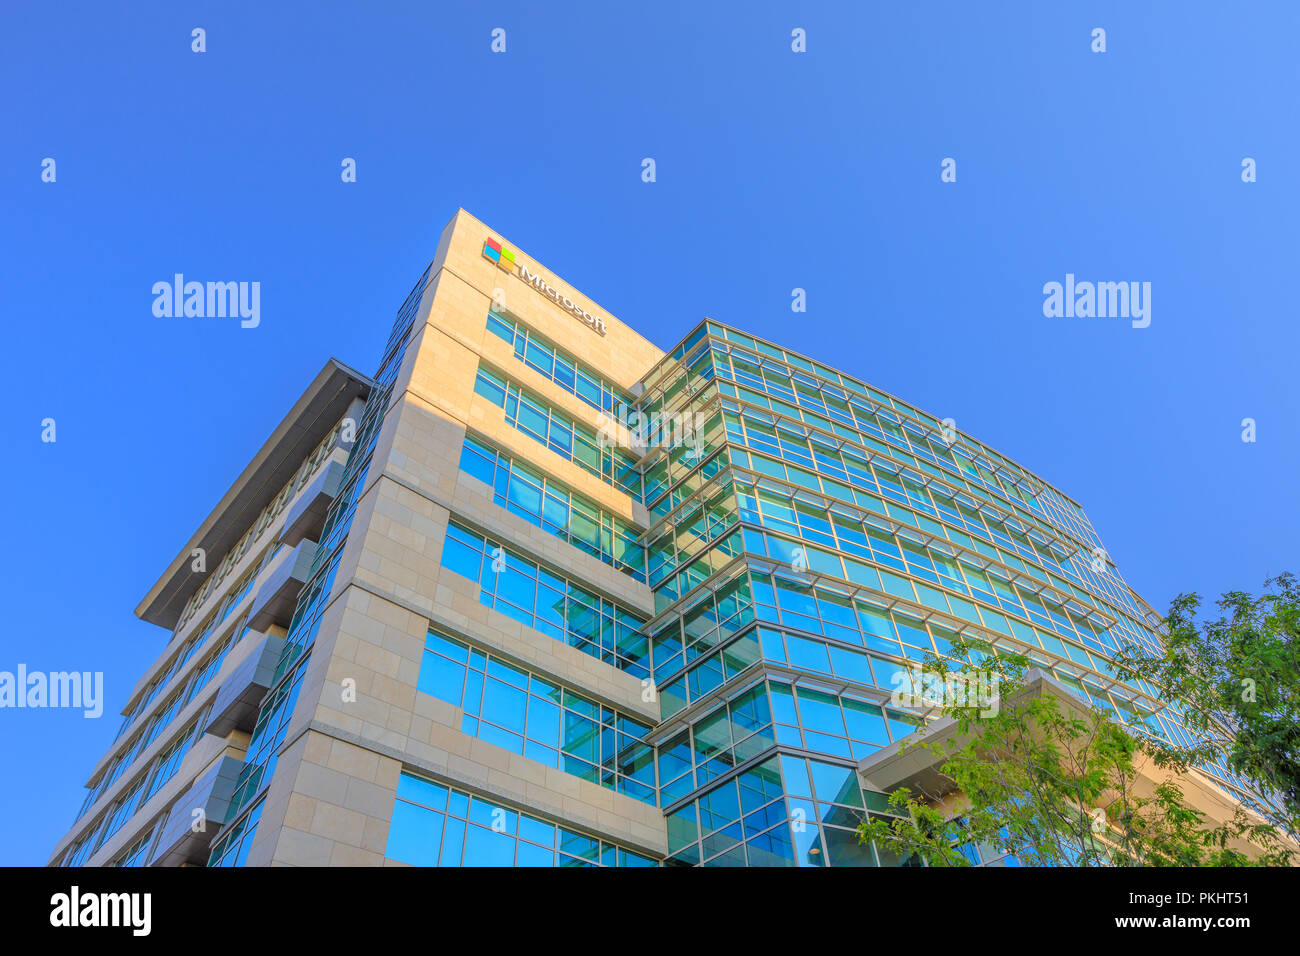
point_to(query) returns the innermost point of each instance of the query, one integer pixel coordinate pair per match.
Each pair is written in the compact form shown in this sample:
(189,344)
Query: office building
(540,593)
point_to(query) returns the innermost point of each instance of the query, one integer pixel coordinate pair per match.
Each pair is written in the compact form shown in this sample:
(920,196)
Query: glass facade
(818,542)
(551,427)
(825,541)
(575,377)
(544,721)
(527,492)
(546,601)
(436,825)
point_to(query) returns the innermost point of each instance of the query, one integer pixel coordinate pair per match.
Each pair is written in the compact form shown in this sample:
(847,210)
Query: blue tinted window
(464,835)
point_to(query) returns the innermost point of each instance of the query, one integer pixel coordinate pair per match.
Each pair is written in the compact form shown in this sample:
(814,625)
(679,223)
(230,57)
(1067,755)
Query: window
(437,825)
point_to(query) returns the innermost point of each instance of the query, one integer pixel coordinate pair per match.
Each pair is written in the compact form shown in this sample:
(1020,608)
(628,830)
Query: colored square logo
(493,251)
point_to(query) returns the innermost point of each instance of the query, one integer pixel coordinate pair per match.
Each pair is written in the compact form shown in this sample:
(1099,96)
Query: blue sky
(775,170)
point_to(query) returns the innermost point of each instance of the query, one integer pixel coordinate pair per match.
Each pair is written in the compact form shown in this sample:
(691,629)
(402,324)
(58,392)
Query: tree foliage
(1053,781)
(1238,678)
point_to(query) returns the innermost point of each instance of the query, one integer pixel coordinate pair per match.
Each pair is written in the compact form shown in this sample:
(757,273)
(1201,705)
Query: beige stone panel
(401,545)
(373,632)
(374,837)
(622,350)
(300,811)
(339,803)
(369,798)
(296,848)
(345,855)
(447,357)
(426,447)
(321,783)
(457,309)
(320,807)
(383,668)
(338,823)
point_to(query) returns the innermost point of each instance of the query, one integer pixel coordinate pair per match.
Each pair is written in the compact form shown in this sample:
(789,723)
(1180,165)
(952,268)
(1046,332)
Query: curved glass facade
(827,539)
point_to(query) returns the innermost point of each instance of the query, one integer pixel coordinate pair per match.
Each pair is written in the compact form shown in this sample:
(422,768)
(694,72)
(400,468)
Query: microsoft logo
(493,251)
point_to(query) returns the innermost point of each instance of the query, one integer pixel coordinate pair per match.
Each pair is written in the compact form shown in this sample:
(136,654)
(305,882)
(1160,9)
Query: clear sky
(775,170)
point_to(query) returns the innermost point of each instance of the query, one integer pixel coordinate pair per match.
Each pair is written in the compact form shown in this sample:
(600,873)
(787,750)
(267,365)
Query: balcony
(197,816)
(275,600)
(235,706)
(306,517)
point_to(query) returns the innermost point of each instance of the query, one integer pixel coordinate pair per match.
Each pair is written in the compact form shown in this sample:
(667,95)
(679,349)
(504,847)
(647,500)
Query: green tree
(1053,781)
(1238,679)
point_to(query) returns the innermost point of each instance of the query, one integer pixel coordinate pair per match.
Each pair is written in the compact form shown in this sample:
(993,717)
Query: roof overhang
(904,764)
(315,413)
